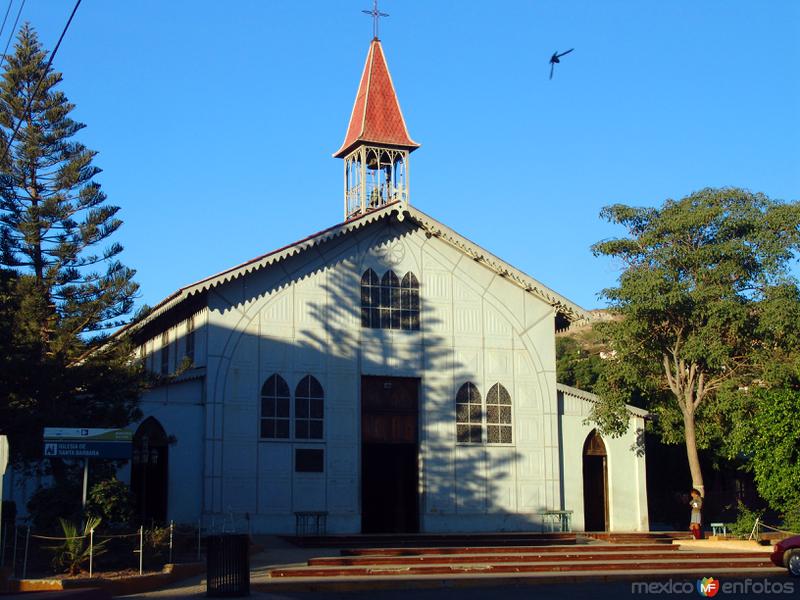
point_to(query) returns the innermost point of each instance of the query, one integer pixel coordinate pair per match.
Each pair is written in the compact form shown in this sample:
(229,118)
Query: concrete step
(632,564)
(592,548)
(342,585)
(664,537)
(381,540)
(524,558)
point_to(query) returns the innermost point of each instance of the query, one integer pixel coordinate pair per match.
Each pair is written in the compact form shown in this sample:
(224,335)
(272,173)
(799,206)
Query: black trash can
(228,565)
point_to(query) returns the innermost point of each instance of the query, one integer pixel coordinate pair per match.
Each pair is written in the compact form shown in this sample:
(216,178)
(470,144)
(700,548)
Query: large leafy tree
(61,280)
(771,440)
(707,304)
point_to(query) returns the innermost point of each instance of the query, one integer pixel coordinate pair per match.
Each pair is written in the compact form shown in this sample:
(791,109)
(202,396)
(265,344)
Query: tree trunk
(691,451)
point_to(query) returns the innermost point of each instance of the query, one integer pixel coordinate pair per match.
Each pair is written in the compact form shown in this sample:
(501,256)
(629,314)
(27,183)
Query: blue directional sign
(87,443)
(69,448)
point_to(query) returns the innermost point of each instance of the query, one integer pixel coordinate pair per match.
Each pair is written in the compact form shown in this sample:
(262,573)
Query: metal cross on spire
(376,15)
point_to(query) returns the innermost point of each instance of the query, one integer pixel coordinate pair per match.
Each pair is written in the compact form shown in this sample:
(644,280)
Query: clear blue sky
(216,121)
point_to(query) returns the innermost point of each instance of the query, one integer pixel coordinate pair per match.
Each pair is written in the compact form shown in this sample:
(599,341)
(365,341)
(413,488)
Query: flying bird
(555,59)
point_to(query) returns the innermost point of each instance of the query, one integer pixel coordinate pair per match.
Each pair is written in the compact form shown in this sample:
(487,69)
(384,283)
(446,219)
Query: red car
(786,553)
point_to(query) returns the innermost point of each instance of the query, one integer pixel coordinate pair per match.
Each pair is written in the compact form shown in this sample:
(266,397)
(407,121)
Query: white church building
(386,373)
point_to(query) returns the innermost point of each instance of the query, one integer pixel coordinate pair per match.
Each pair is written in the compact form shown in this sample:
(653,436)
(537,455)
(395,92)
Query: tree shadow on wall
(311,325)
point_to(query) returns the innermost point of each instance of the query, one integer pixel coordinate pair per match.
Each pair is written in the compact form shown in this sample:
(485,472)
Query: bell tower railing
(374,176)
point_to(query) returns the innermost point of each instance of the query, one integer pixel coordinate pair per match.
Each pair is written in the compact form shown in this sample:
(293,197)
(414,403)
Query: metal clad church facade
(302,317)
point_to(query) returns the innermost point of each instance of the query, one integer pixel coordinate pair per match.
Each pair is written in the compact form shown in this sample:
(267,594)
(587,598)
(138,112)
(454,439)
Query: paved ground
(565,591)
(277,552)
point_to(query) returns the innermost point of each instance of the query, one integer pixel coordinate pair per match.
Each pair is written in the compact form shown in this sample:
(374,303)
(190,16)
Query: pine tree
(61,282)
(53,213)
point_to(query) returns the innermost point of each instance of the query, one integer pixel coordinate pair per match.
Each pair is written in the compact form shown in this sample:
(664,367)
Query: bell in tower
(377,144)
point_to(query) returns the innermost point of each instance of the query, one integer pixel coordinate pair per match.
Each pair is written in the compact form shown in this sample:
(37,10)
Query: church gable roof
(594,398)
(399,210)
(376,115)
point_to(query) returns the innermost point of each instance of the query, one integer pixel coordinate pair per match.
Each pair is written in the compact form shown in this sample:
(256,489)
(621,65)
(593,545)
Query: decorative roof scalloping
(589,396)
(499,265)
(428,223)
(376,116)
(259,262)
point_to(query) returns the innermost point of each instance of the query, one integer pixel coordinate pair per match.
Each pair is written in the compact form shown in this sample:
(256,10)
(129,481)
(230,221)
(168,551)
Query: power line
(11,33)
(41,79)
(5,18)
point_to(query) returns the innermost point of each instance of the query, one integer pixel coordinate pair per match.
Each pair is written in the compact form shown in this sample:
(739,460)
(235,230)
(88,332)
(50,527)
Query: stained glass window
(388,303)
(308,409)
(409,303)
(370,300)
(275,408)
(498,415)
(469,415)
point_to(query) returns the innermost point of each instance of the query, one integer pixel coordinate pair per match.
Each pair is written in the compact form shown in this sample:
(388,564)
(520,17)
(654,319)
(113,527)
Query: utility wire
(5,18)
(41,79)
(11,33)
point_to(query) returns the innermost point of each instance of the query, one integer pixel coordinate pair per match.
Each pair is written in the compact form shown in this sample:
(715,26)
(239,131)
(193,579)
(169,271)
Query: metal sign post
(3,464)
(85,480)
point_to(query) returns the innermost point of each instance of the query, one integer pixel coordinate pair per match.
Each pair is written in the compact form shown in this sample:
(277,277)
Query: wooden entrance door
(389,455)
(150,472)
(595,484)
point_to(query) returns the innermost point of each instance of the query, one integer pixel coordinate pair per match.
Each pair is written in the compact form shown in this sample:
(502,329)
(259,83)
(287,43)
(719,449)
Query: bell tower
(377,144)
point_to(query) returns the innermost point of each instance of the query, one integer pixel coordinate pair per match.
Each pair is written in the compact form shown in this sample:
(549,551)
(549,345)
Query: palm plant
(75,550)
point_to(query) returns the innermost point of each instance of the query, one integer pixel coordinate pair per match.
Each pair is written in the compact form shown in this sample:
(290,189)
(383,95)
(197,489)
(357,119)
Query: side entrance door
(389,455)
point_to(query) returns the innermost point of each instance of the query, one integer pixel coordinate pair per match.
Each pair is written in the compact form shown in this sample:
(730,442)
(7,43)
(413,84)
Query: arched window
(469,418)
(370,299)
(275,408)
(388,303)
(409,302)
(308,409)
(498,415)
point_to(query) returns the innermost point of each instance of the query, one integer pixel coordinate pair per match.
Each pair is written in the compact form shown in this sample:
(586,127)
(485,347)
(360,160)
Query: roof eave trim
(590,397)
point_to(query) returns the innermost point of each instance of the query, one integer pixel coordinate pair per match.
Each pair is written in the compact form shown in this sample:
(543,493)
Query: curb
(122,586)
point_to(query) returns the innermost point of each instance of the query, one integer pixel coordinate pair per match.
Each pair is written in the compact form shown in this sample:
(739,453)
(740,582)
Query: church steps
(424,539)
(485,568)
(411,551)
(663,537)
(520,558)
(463,580)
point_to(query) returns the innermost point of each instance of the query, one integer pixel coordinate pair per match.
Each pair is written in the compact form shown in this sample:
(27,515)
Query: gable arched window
(309,400)
(388,303)
(469,415)
(275,408)
(498,415)
(409,302)
(370,299)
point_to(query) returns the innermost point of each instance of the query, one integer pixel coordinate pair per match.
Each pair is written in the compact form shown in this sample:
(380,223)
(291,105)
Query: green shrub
(112,501)
(791,520)
(745,519)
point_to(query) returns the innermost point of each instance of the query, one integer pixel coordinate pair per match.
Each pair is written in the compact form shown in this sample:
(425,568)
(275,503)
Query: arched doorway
(595,483)
(149,471)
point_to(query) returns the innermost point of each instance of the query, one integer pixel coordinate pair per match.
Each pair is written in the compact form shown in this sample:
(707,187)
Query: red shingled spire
(376,116)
